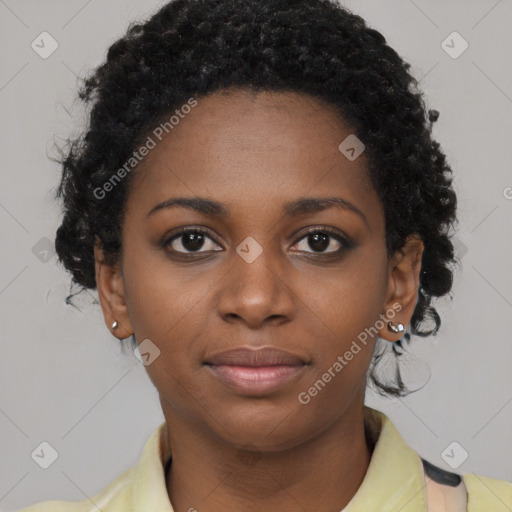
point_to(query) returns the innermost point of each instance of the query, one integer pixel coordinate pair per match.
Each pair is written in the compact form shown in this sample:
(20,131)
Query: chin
(264,426)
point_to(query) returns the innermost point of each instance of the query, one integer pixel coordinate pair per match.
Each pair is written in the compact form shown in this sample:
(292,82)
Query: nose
(257,293)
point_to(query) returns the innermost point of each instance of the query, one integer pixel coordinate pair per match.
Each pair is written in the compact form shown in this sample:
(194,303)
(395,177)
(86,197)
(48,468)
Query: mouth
(255,372)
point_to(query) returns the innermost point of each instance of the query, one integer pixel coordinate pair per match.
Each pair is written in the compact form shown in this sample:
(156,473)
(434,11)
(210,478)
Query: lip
(264,356)
(255,372)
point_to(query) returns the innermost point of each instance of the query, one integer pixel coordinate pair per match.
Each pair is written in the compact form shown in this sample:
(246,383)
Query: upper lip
(265,356)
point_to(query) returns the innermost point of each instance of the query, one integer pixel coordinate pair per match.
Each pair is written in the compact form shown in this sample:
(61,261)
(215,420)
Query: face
(257,268)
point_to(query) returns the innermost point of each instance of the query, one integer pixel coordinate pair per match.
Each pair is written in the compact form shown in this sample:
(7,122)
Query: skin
(253,153)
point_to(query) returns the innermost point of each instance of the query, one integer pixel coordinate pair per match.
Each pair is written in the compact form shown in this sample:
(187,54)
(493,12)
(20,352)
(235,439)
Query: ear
(109,281)
(403,285)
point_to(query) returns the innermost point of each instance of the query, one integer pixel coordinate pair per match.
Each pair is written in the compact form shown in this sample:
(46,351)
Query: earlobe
(109,282)
(403,286)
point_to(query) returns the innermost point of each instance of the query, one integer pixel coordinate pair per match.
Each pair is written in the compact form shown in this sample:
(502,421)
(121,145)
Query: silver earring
(396,328)
(114,325)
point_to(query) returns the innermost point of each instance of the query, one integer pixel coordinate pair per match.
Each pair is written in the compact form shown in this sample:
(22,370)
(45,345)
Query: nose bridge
(254,289)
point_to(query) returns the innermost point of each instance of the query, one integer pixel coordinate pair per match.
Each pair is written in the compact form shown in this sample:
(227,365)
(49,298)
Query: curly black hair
(190,48)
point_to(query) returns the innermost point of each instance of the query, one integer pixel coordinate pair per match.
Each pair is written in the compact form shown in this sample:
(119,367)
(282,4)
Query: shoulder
(140,487)
(116,496)
(486,493)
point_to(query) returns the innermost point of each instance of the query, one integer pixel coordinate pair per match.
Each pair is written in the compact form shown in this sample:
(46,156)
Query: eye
(320,239)
(188,241)
(191,240)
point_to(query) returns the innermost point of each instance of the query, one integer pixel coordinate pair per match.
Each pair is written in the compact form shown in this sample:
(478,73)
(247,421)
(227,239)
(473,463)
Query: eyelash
(346,244)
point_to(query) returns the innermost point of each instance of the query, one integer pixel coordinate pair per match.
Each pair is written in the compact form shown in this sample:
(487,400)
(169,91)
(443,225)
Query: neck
(322,473)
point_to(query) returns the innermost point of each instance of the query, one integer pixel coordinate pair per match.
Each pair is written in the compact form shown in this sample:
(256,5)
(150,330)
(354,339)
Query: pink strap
(445,498)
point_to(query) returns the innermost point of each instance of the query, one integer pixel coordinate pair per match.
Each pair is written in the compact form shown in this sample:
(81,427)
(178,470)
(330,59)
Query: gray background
(63,377)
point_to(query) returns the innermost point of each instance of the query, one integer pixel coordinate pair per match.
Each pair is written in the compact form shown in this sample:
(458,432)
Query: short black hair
(191,48)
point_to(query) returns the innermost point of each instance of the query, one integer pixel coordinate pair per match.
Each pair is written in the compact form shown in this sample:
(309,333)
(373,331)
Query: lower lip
(256,380)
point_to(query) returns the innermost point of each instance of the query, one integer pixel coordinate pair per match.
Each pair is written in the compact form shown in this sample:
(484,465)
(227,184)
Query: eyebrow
(301,206)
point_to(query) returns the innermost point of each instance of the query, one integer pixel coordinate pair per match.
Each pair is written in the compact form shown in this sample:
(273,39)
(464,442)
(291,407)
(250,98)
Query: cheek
(342,347)
(347,301)
(159,295)
(171,307)
(346,307)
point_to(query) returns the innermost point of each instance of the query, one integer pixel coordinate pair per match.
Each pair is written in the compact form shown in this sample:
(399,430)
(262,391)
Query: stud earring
(396,328)
(115,325)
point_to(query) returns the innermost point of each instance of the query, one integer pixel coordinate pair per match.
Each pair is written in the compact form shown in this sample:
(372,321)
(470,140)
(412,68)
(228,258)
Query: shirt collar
(394,480)
(149,485)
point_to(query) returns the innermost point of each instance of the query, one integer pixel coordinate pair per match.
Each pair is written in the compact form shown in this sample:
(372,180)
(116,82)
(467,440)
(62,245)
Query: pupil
(193,241)
(318,241)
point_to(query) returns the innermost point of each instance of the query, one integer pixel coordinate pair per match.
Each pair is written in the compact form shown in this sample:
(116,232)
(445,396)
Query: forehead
(258,148)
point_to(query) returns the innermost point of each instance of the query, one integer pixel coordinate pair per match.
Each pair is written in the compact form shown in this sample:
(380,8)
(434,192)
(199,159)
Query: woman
(262,208)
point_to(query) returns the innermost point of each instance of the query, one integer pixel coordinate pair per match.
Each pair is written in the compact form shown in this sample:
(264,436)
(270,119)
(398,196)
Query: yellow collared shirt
(395,481)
